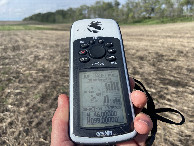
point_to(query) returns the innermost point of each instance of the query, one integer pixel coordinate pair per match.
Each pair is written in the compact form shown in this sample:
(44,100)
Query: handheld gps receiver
(101,111)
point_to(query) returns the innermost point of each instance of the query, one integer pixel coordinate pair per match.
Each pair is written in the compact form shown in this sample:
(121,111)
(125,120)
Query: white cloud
(3,2)
(42,10)
(18,11)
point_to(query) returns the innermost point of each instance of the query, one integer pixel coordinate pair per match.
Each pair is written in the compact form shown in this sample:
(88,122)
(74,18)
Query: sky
(16,10)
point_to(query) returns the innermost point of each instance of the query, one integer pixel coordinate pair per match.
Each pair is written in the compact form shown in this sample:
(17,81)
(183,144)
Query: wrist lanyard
(152,112)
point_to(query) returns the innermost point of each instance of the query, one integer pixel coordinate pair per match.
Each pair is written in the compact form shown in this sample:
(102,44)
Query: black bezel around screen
(121,129)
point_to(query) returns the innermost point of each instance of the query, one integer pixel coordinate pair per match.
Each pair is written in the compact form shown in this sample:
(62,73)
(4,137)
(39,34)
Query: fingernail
(59,101)
(144,121)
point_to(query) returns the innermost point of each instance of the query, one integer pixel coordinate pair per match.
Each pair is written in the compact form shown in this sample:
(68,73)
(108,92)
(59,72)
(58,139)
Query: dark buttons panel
(99,48)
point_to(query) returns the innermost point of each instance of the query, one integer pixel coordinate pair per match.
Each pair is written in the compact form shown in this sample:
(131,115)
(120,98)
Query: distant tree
(131,11)
(179,11)
(189,5)
(104,9)
(70,17)
(149,7)
(116,11)
(168,8)
(82,12)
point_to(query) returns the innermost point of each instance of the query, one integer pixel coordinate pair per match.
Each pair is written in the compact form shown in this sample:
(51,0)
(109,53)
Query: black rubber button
(112,51)
(109,44)
(101,41)
(97,52)
(84,59)
(83,52)
(92,42)
(84,46)
(111,58)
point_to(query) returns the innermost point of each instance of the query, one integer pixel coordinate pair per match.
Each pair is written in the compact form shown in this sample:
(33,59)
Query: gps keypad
(96,49)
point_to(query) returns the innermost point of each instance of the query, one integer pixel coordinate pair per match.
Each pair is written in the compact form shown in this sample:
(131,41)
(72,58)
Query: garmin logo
(95,26)
(98,64)
(104,133)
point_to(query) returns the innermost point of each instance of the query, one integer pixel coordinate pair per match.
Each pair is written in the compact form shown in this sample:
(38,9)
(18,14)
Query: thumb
(59,135)
(143,125)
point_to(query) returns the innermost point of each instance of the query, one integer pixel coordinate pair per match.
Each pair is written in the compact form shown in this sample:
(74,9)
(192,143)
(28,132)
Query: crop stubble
(34,70)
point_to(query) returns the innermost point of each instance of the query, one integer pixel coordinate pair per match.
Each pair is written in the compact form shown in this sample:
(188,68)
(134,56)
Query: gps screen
(101,99)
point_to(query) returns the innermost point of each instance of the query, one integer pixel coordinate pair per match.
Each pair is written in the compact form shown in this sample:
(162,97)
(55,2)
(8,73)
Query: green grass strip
(23,27)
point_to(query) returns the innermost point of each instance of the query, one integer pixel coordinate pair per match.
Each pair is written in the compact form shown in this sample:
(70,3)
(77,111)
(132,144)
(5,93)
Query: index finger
(139,100)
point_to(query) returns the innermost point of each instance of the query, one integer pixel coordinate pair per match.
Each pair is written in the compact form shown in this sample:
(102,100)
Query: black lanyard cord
(152,112)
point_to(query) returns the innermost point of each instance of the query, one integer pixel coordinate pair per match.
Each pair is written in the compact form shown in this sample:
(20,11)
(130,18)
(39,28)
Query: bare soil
(34,70)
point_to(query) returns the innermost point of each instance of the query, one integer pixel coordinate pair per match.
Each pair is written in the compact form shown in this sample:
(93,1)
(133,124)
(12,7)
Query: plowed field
(34,70)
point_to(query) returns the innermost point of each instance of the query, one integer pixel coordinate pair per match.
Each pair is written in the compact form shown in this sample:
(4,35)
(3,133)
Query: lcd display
(101,99)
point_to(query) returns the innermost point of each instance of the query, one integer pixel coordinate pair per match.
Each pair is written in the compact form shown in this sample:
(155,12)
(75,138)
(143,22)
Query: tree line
(131,12)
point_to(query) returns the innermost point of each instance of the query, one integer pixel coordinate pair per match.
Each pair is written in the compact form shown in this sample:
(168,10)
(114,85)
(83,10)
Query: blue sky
(19,9)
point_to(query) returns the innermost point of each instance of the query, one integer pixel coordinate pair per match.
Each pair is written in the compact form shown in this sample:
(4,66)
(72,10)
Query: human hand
(60,125)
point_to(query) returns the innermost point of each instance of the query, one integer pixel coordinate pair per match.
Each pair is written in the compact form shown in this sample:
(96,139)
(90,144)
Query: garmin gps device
(101,111)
